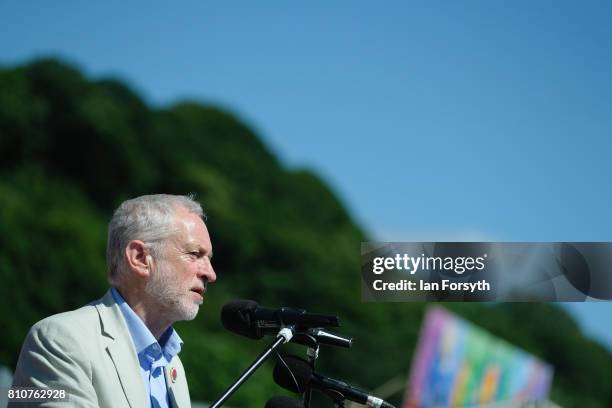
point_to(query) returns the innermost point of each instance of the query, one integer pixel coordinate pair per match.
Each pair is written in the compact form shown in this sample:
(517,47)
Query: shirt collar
(169,343)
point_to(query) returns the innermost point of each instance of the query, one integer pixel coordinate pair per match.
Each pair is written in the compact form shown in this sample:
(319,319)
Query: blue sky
(472,120)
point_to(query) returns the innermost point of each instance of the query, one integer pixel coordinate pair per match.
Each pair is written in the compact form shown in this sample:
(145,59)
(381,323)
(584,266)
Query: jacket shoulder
(82,315)
(56,353)
(78,322)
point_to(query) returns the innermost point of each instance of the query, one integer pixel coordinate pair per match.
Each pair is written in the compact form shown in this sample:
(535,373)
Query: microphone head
(292,373)
(236,316)
(280,401)
(325,337)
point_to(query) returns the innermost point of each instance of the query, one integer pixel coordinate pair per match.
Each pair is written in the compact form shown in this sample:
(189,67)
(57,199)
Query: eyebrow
(190,247)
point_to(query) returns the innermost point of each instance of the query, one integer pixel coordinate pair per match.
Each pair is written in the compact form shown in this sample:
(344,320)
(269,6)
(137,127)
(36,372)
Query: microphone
(314,336)
(283,402)
(247,318)
(296,375)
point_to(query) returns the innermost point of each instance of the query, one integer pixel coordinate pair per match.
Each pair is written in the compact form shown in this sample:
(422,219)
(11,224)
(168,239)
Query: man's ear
(138,258)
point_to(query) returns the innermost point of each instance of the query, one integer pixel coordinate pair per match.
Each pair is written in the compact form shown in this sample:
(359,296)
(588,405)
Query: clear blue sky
(472,120)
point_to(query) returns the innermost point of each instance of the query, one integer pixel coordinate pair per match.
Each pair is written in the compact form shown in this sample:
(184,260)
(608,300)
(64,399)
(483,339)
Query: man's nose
(207,271)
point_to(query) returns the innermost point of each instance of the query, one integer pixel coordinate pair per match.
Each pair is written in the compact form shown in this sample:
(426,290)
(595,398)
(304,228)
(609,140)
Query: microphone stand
(313,353)
(337,398)
(284,335)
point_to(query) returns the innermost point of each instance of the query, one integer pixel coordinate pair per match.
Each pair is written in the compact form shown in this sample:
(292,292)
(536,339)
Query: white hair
(148,218)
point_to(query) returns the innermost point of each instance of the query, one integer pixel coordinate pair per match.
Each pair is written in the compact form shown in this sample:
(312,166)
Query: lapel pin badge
(173,374)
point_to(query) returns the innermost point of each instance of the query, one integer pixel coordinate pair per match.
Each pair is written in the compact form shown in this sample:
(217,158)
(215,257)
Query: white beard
(174,302)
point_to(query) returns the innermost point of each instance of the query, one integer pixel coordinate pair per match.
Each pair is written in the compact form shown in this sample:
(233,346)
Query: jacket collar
(120,348)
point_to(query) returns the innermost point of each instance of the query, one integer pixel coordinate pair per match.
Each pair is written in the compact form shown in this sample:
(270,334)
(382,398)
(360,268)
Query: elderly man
(121,351)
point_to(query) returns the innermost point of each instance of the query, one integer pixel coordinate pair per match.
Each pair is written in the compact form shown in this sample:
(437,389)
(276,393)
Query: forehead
(192,229)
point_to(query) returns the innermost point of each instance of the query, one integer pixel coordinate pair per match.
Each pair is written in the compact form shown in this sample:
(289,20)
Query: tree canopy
(73,148)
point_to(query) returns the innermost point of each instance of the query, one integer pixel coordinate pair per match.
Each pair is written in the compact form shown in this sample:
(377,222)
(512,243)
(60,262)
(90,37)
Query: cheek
(190,269)
(180,270)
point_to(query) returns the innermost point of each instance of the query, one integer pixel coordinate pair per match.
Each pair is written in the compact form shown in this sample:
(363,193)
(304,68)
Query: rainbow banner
(458,364)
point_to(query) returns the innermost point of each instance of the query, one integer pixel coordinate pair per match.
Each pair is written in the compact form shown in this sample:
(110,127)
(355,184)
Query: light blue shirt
(152,356)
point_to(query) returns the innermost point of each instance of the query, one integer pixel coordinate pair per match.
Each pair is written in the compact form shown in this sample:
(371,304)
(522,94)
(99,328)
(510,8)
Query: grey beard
(172,301)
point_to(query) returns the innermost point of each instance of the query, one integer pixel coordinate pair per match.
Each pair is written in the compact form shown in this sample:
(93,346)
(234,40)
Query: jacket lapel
(169,386)
(176,383)
(121,351)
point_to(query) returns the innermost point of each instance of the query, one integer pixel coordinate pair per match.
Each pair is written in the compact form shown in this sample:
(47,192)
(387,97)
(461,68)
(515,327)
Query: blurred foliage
(72,149)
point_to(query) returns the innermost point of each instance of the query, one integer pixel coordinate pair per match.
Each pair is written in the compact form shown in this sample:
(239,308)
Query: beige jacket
(89,353)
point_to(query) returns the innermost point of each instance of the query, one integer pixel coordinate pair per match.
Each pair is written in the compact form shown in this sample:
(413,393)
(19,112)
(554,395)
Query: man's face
(179,278)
